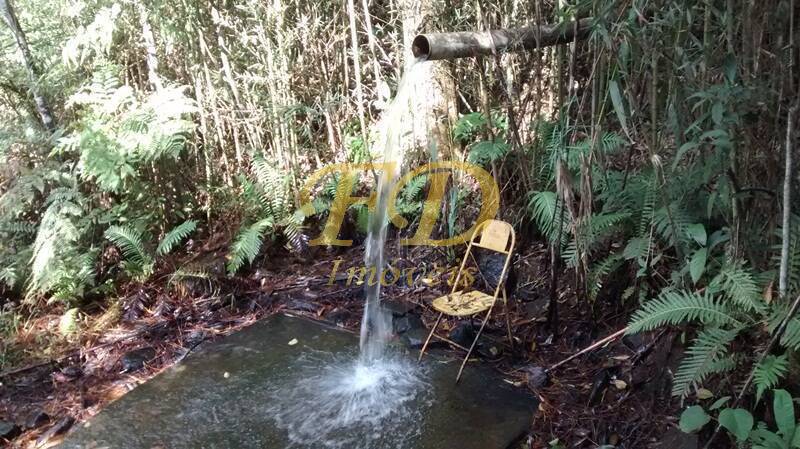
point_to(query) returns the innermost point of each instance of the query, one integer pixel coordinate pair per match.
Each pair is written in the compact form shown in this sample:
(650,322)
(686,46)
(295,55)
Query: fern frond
(275,193)
(740,287)
(545,210)
(129,241)
(791,336)
(247,245)
(676,307)
(703,359)
(175,236)
(601,270)
(767,373)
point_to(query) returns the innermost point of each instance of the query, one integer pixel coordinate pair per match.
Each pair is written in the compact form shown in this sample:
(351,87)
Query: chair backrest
(495,235)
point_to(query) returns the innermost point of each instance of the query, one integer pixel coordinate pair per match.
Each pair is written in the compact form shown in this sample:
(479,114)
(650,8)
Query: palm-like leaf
(129,241)
(175,236)
(247,244)
(676,307)
(706,356)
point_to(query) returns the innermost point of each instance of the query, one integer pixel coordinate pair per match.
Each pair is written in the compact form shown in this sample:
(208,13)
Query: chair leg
(428,340)
(474,342)
(508,320)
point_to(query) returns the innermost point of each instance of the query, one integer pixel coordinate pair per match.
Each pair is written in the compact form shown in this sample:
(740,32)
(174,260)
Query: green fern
(545,210)
(706,356)
(487,151)
(137,261)
(676,307)
(601,270)
(791,336)
(175,236)
(275,194)
(767,373)
(247,245)
(54,248)
(739,285)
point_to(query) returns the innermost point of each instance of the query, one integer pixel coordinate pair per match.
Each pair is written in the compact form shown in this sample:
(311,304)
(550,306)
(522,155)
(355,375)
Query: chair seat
(463,303)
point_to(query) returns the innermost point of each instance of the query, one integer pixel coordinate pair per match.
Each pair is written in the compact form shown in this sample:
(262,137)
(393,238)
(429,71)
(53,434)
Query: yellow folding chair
(495,235)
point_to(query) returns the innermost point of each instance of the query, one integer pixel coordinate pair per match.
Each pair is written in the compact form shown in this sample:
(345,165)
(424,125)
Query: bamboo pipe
(467,44)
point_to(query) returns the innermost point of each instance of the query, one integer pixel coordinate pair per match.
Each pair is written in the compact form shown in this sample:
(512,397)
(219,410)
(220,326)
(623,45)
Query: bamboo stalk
(465,44)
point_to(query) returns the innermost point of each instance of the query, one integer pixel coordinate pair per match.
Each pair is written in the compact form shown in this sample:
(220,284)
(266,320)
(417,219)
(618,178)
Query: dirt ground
(616,395)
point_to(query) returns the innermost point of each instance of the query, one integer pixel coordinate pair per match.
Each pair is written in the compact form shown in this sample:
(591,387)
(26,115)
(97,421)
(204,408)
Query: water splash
(375,325)
(339,402)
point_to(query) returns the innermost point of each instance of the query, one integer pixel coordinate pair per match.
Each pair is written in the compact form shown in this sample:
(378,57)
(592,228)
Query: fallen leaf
(702,393)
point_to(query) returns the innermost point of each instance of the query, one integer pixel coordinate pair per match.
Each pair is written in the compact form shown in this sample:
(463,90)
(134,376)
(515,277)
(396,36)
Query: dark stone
(9,430)
(463,333)
(537,377)
(415,338)
(397,307)
(490,266)
(194,338)
(600,382)
(72,371)
(674,438)
(300,305)
(489,349)
(407,323)
(36,419)
(338,317)
(136,359)
(195,404)
(634,342)
(58,428)
(536,308)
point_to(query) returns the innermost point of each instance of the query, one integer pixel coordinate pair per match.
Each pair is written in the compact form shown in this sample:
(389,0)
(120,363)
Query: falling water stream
(375,325)
(374,399)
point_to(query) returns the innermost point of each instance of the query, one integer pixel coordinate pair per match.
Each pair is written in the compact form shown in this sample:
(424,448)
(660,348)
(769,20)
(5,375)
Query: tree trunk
(10,18)
(434,98)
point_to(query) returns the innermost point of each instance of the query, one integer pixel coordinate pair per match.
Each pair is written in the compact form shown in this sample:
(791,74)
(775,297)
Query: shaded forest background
(657,151)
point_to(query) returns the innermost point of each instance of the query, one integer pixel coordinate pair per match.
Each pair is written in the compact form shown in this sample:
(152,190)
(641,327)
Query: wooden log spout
(467,44)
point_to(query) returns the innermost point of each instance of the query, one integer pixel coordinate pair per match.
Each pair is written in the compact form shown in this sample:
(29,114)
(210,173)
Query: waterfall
(392,129)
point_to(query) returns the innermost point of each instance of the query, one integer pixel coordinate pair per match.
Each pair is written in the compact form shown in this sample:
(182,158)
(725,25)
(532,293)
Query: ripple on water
(338,401)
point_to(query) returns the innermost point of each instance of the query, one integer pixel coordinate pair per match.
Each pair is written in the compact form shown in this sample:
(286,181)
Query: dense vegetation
(655,151)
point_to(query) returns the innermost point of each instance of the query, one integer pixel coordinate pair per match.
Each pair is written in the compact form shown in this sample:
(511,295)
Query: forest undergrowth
(153,150)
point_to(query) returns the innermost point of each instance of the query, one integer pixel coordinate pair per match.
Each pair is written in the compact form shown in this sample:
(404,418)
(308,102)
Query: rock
(674,438)
(463,333)
(338,316)
(194,338)
(300,305)
(36,419)
(9,430)
(415,338)
(537,377)
(536,308)
(407,323)
(634,342)
(135,360)
(489,349)
(58,428)
(490,265)
(72,371)
(397,307)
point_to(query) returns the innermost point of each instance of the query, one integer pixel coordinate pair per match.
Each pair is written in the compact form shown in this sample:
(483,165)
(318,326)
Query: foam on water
(341,402)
